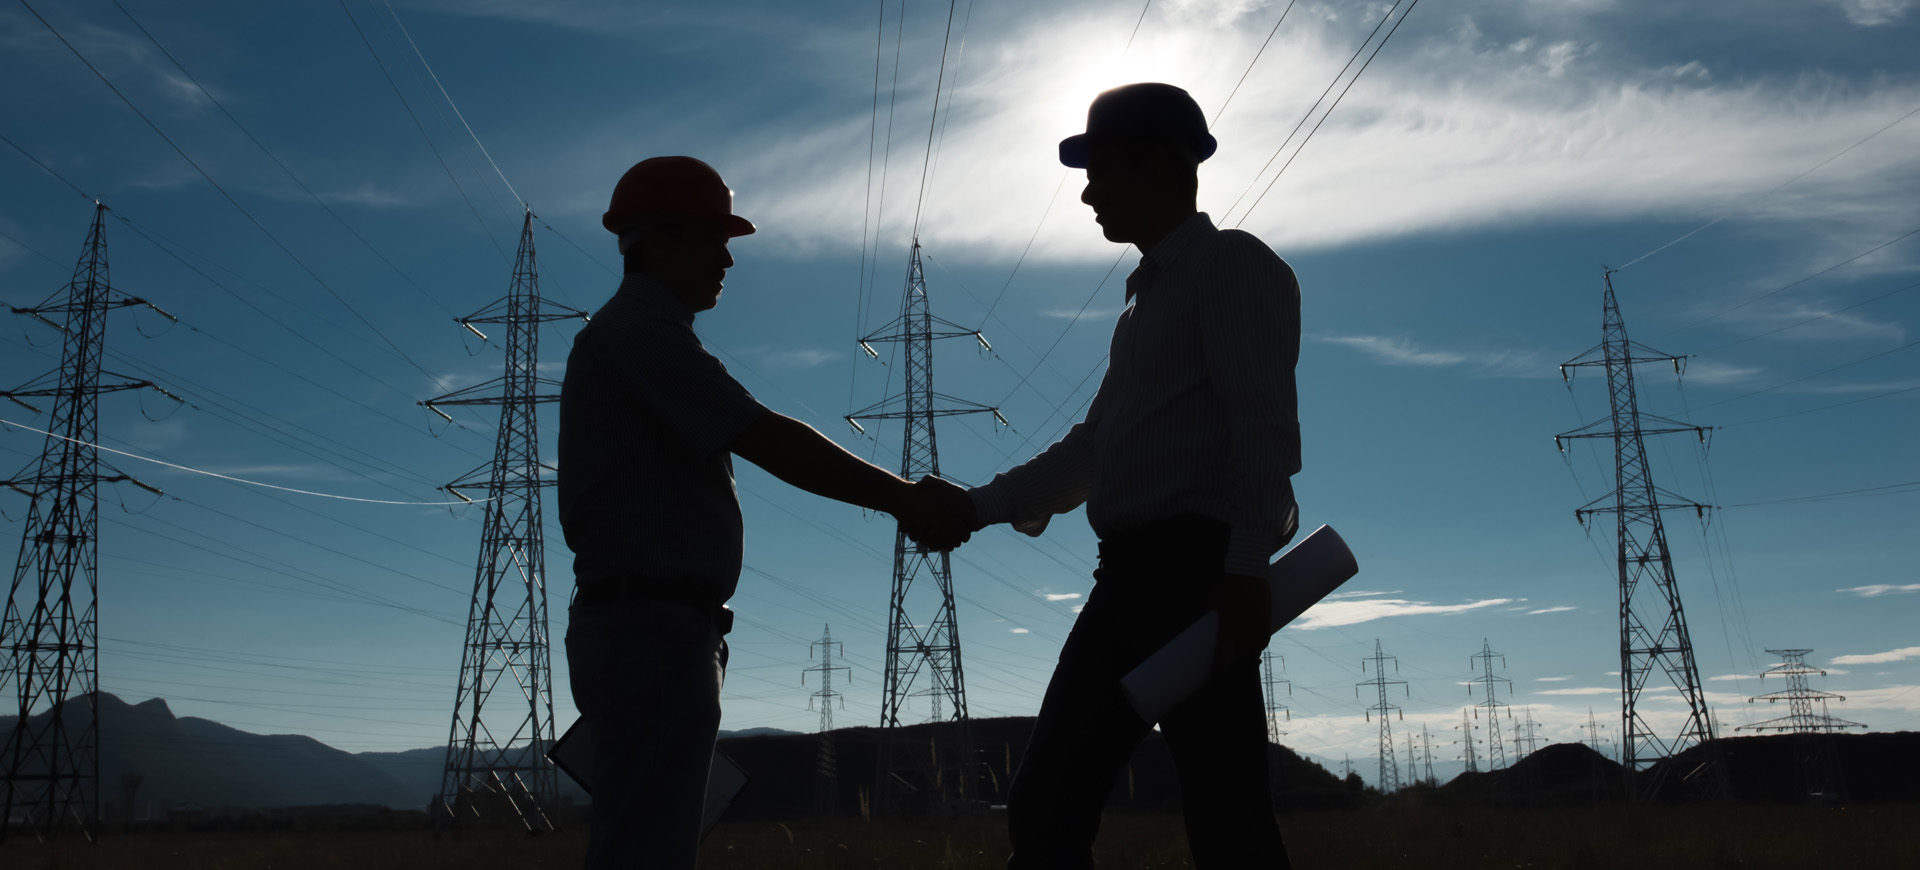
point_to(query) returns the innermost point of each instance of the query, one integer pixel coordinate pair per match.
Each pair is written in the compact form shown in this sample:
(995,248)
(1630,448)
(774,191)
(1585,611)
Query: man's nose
(726,258)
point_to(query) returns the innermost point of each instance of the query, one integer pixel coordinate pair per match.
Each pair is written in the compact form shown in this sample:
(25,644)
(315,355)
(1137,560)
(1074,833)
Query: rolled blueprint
(1303,575)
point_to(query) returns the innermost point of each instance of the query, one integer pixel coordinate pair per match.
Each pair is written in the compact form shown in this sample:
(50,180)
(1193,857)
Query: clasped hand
(937,514)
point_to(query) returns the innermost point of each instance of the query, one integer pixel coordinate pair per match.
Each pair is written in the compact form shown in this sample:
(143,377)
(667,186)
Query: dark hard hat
(1148,109)
(672,187)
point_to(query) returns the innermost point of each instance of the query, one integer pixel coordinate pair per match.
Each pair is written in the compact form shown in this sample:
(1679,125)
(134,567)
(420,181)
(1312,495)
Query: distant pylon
(1426,754)
(1800,698)
(1593,733)
(825,669)
(1653,626)
(1817,769)
(1273,698)
(926,645)
(1526,737)
(1389,770)
(1466,739)
(1496,753)
(497,767)
(51,630)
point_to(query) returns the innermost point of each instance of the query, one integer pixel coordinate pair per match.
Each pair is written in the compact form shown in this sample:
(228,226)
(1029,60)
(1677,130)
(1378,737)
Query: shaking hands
(938,515)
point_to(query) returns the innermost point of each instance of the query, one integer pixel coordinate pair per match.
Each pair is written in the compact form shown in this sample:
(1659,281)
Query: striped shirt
(646,480)
(1196,414)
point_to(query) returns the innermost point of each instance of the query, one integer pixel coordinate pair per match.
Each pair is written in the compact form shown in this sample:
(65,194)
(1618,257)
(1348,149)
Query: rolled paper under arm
(1303,575)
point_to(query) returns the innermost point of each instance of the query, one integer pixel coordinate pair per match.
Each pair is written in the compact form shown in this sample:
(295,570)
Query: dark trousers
(1151,584)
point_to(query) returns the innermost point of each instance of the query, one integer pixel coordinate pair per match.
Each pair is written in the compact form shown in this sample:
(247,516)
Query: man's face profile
(691,259)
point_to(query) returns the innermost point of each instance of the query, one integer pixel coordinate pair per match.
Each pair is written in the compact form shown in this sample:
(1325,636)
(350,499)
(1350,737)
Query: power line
(1906,488)
(1779,290)
(1329,113)
(1813,319)
(1868,358)
(1256,59)
(1823,407)
(228,196)
(454,106)
(1696,230)
(226,477)
(277,162)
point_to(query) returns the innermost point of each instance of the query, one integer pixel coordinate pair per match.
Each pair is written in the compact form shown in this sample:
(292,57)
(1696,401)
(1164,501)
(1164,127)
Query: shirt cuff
(991,504)
(1249,552)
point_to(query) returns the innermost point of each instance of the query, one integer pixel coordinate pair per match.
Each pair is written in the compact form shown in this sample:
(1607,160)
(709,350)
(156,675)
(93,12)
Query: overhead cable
(231,478)
(1696,230)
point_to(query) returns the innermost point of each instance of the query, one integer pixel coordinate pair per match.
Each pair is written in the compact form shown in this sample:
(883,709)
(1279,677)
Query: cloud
(1873,13)
(1060,596)
(1017,631)
(1720,373)
(801,358)
(1560,609)
(1551,679)
(1447,132)
(1073,313)
(1897,655)
(1878,589)
(1328,614)
(1583,690)
(1729,677)
(1393,351)
(1077,607)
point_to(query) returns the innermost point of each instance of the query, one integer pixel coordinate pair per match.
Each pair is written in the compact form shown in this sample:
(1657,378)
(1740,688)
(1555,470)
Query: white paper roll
(1303,575)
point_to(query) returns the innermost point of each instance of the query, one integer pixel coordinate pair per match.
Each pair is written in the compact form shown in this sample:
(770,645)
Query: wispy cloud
(1552,679)
(1897,655)
(1731,677)
(795,358)
(1560,609)
(1720,373)
(1060,596)
(1878,589)
(1583,690)
(1089,314)
(1328,614)
(1399,351)
(1874,13)
(1846,389)
(1017,631)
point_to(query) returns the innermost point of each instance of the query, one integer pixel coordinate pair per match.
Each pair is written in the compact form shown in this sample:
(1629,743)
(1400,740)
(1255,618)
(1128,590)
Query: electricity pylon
(1816,765)
(825,669)
(1526,737)
(1273,705)
(1426,754)
(1468,755)
(1653,626)
(927,646)
(1389,770)
(497,767)
(51,630)
(1496,753)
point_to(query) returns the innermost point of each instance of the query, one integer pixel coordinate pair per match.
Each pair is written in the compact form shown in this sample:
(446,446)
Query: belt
(606,592)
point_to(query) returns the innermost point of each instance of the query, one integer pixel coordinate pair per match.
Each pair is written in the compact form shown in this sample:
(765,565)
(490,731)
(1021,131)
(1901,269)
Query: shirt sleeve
(672,377)
(1053,482)
(1250,335)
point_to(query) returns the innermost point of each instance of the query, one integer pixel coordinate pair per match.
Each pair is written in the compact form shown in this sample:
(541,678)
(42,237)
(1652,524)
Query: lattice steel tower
(1496,753)
(51,630)
(927,647)
(497,768)
(1653,626)
(825,669)
(1816,765)
(1273,698)
(1389,768)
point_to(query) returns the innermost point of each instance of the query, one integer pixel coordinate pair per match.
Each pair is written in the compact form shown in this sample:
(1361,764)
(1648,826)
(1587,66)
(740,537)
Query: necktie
(1142,278)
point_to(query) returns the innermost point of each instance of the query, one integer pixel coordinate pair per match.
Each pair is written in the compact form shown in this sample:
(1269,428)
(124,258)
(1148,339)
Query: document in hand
(1303,575)
(573,754)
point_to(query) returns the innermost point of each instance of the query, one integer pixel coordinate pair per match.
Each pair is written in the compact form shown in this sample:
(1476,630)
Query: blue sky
(1449,222)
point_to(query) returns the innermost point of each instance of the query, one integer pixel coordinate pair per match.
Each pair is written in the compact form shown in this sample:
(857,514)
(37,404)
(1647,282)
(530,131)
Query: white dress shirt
(1196,413)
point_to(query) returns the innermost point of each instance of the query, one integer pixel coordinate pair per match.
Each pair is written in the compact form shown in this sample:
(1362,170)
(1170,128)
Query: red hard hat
(672,187)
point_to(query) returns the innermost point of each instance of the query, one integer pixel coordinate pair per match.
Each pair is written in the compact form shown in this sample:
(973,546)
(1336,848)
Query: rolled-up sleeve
(1250,329)
(676,381)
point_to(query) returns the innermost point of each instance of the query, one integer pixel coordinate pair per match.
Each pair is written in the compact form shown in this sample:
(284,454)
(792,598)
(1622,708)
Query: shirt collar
(653,296)
(1168,250)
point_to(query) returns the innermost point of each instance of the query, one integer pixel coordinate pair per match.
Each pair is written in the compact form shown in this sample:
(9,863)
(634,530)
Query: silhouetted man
(1184,463)
(649,421)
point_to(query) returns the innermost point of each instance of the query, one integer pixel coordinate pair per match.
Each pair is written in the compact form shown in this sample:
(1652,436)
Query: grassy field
(1764,837)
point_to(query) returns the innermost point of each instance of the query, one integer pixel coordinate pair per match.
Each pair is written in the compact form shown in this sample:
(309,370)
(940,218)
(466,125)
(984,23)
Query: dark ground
(1408,834)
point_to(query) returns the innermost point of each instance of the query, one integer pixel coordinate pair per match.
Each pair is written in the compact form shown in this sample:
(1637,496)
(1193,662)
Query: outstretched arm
(802,457)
